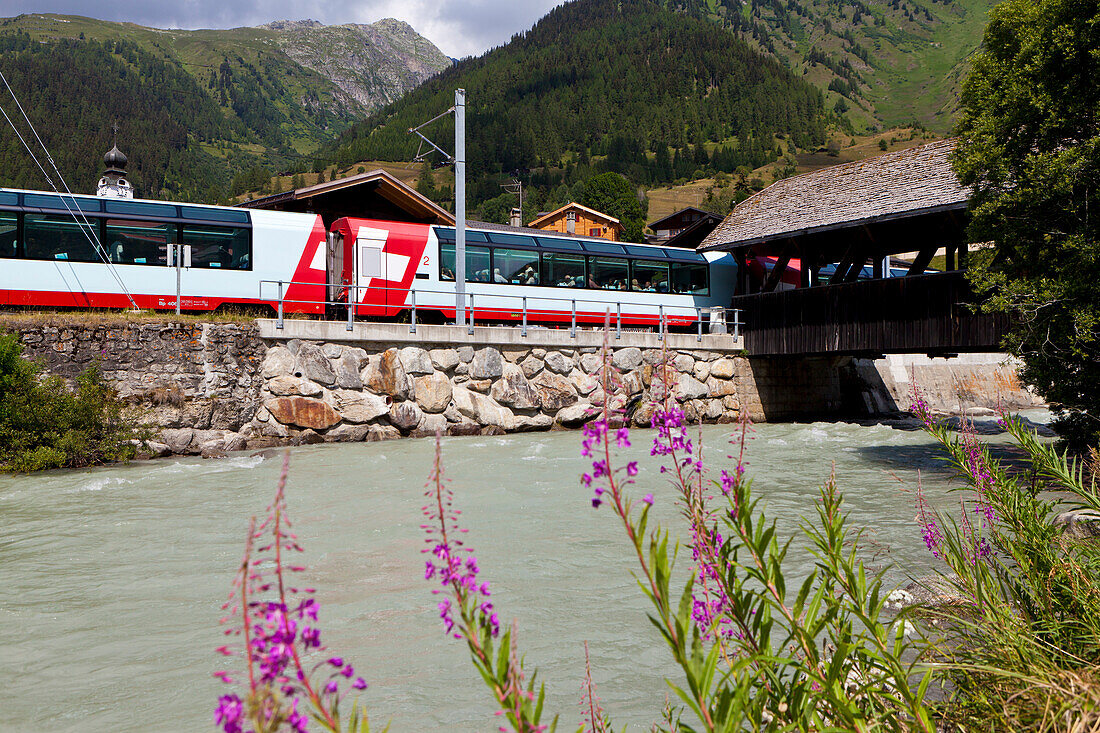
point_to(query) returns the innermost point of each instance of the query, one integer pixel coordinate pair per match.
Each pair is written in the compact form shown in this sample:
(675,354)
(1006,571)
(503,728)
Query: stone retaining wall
(313,392)
(214,387)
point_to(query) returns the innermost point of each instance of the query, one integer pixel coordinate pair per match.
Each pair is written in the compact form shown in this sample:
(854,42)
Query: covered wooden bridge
(837,261)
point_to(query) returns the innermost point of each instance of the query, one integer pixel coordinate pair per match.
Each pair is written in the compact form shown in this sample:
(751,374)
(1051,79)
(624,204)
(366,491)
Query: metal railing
(636,311)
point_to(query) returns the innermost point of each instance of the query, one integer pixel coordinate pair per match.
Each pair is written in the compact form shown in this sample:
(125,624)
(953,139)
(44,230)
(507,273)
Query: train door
(370,264)
(335,291)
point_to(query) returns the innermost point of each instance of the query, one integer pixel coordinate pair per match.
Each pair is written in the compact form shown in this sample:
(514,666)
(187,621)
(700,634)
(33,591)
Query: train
(76,251)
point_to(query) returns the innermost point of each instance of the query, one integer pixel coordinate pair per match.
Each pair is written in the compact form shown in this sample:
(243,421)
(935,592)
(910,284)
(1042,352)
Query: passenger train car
(255,257)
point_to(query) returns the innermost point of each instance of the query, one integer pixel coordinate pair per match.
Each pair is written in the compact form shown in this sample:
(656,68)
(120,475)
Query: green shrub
(45,424)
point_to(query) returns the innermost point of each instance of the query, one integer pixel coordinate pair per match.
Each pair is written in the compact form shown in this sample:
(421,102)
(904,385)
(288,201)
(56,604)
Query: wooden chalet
(371,195)
(837,260)
(573,218)
(687,227)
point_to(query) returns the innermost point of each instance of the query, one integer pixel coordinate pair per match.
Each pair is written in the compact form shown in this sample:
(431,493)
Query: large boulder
(347,371)
(538,421)
(531,366)
(556,362)
(633,383)
(554,391)
(487,364)
(591,362)
(513,389)
(722,368)
(627,359)
(432,392)
(277,362)
(359,407)
(287,385)
(429,426)
(314,365)
(444,359)
(386,375)
(406,415)
(305,412)
(576,415)
(178,440)
(416,360)
(382,432)
(689,388)
(348,433)
(481,409)
(684,363)
(721,387)
(584,383)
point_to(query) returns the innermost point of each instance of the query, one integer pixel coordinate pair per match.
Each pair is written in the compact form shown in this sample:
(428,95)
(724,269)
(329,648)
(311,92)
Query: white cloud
(459,28)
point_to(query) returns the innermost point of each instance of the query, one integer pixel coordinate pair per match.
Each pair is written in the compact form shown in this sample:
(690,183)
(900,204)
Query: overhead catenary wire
(87,228)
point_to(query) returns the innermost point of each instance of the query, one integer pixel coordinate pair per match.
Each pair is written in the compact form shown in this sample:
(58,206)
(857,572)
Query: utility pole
(460,207)
(459,161)
(515,186)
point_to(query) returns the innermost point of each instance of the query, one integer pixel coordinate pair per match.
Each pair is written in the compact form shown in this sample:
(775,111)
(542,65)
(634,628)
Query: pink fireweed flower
(277,629)
(930,531)
(918,405)
(450,561)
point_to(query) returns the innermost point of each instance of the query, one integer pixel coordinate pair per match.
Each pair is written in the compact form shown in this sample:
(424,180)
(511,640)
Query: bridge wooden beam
(776,274)
(843,265)
(920,264)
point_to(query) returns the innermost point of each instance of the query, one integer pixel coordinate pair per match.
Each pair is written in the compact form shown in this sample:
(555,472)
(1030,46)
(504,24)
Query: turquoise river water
(111,578)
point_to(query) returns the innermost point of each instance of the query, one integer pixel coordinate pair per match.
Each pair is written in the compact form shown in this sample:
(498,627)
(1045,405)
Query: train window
(138,208)
(70,203)
(477,263)
(690,279)
(9,198)
(607,273)
(516,266)
(635,250)
(649,276)
(563,270)
(512,239)
(60,237)
(138,242)
(9,234)
(226,248)
(230,216)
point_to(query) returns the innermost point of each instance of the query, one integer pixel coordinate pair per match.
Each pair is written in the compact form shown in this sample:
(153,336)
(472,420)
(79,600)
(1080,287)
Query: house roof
(909,182)
(677,214)
(384,184)
(579,207)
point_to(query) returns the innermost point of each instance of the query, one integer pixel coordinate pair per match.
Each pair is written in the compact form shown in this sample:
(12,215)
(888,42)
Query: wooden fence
(920,314)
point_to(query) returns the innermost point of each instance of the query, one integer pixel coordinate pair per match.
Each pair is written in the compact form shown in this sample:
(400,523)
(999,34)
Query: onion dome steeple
(113,183)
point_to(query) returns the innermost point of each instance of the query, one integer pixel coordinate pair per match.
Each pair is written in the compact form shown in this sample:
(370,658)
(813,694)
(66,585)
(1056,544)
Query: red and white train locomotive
(238,256)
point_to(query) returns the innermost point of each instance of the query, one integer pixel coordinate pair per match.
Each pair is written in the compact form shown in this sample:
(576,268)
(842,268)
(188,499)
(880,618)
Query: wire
(87,229)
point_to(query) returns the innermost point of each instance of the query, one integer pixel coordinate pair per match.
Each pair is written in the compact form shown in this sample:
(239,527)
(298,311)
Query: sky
(458,27)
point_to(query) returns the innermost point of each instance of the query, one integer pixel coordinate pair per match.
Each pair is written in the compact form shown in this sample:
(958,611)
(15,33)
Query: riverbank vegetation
(45,424)
(1029,145)
(1009,640)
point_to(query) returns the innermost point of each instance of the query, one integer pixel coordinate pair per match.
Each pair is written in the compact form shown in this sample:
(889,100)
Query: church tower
(114,184)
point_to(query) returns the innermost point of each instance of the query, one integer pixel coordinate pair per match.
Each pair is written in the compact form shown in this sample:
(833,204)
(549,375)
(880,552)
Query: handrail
(694,312)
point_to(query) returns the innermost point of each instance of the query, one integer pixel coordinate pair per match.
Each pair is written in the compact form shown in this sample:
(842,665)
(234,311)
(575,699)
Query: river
(112,577)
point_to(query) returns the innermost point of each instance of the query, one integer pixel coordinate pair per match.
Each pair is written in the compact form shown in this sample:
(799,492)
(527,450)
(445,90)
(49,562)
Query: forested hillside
(879,62)
(75,90)
(212,107)
(606,85)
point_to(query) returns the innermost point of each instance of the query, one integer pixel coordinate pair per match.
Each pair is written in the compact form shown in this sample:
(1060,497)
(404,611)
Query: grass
(83,318)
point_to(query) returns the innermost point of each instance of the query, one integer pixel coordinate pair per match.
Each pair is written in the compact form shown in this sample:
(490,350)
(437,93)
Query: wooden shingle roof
(890,186)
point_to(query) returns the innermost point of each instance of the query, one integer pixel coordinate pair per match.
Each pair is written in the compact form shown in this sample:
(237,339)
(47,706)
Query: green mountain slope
(246,97)
(650,93)
(879,62)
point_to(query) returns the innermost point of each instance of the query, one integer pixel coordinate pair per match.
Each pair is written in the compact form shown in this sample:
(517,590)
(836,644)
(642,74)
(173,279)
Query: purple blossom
(229,713)
(450,561)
